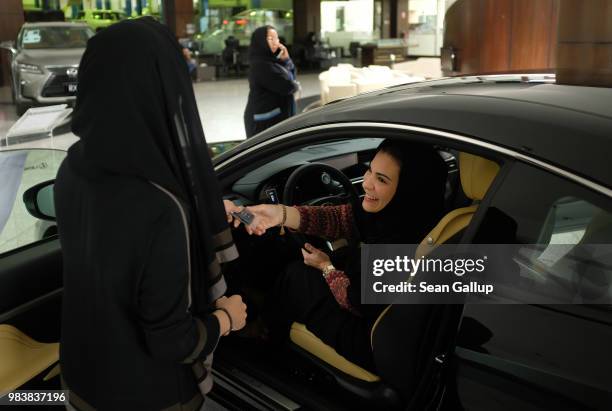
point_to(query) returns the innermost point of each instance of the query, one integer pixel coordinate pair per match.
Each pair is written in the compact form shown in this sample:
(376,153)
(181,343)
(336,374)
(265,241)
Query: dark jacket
(271,86)
(142,228)
(128,340)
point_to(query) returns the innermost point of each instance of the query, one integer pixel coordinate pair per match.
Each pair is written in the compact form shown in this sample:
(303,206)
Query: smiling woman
(327,299)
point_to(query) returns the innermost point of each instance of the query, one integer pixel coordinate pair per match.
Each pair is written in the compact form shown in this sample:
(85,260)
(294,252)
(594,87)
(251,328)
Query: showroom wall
(11,20)
(488,36)
(584,52)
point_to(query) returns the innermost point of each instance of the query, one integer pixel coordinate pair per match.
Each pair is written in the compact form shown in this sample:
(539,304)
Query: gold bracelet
(282,229)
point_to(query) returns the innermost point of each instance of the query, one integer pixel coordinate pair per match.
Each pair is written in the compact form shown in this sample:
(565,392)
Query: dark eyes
(379,178)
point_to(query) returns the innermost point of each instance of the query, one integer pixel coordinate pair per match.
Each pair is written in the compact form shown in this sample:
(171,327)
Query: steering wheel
(331,177)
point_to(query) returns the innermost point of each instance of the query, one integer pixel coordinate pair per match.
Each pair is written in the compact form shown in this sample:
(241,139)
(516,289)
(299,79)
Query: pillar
(584,49)
(177,14)
(306,18)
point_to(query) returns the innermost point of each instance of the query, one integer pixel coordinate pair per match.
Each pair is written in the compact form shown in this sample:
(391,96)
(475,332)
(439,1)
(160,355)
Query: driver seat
(401,355)
(476,174)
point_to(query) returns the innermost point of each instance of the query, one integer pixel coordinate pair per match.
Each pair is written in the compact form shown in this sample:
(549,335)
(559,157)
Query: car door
(30,275)
(535,357)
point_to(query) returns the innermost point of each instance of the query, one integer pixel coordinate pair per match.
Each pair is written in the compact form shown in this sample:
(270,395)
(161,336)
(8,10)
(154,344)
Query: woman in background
(271,82)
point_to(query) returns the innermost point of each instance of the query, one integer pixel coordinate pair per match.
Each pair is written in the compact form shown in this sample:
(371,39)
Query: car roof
(55,24)
(567,126)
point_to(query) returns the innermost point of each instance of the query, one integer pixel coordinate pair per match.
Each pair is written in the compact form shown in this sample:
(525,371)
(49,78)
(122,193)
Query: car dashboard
(266,184)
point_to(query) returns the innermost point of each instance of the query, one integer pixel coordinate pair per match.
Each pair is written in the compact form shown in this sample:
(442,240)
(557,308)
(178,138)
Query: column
(177,14)
(584,49)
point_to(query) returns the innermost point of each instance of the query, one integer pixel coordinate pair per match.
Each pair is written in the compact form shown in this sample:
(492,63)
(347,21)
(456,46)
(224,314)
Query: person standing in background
(272,82)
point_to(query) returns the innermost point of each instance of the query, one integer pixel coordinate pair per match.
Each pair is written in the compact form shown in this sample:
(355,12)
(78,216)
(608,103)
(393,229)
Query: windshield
(55,37)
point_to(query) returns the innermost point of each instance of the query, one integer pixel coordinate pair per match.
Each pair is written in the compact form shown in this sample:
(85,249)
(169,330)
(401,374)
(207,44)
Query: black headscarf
(418,203)
(136,115)
(259,49)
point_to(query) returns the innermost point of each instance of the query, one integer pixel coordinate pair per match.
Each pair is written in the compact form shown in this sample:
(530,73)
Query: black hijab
(418,203)
(136,116)
(259,49)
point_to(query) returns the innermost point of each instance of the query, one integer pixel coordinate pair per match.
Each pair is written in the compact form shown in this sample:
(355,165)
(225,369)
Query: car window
(571,224)
(55,37)
(20,170)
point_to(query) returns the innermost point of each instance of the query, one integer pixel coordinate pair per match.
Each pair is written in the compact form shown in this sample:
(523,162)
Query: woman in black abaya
(404,199)
(271,82)
(143,230)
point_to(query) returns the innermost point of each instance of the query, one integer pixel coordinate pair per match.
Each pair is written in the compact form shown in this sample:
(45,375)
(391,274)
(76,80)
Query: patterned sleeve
(330,222)
(338,284)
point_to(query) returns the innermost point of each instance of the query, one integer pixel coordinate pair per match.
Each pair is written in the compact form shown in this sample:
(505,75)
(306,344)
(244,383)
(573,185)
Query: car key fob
(244,216)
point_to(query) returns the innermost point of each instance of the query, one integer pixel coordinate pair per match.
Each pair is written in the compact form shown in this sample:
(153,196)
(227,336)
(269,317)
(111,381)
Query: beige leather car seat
(476,175)
(22,358)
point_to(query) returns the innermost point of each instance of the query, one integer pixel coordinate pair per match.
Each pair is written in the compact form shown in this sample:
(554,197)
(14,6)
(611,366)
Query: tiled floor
(221,105)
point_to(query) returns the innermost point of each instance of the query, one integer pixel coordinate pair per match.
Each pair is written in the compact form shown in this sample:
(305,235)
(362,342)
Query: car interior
(252,366)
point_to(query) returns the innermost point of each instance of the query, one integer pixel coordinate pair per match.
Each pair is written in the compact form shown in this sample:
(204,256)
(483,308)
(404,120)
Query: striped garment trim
(203,336)
(225,249)
(268,115)
(187,242)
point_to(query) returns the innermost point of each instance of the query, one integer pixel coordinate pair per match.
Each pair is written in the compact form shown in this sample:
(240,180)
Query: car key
(244,216)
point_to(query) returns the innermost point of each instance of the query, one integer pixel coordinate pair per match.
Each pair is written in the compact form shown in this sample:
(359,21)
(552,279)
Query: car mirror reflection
(39,200)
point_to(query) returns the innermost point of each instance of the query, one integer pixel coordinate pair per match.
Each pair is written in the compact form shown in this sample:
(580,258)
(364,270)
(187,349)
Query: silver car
(45,63)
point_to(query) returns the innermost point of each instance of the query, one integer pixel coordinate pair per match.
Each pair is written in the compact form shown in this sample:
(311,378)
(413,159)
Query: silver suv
(45,63)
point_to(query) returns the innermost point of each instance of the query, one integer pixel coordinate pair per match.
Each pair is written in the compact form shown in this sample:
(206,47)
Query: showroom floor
(221,104)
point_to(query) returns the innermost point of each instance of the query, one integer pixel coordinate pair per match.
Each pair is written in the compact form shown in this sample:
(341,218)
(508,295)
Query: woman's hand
(315,257)
(284,54)
(266,216)
(230,208)
(236,310)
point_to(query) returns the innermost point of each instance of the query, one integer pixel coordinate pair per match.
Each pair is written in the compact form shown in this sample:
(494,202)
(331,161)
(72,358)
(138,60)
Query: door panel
(30,275)
(535,356)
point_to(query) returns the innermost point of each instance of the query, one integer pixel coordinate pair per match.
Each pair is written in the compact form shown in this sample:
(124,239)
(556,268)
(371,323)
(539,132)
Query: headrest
(477,174)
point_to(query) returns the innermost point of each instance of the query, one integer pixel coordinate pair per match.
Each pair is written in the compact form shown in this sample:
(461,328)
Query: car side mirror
(9,45)
(39,200)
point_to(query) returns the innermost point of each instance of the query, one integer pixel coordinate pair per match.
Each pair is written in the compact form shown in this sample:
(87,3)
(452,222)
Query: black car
(539,156)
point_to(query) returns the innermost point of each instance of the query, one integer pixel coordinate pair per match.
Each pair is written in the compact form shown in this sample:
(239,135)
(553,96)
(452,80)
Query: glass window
(20,170)
(55,37)
(571,225)
(346,22)
(425,19)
